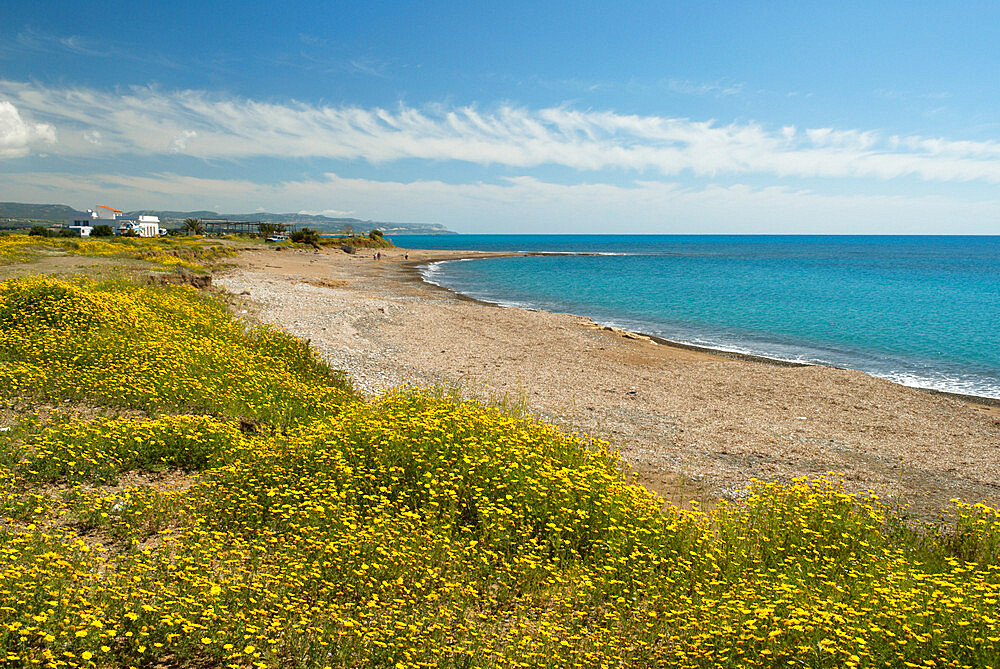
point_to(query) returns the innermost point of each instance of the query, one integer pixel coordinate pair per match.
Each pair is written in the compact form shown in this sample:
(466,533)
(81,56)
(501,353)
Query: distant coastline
(20,214)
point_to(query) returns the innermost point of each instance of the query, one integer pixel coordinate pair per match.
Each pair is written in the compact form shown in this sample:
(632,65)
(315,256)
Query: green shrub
(305,236)
(102,231)
(270,229)
(102,449)
(39,231)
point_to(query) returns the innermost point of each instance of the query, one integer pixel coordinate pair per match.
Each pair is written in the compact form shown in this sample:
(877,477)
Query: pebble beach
(692,425)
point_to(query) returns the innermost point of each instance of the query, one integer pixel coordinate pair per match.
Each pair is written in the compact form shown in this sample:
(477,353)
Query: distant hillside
(322,223)
(14,212)
(38,212)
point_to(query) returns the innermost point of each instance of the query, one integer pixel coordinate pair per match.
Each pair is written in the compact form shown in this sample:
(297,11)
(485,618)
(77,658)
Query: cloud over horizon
(147,121)
(639,207)
(18,136)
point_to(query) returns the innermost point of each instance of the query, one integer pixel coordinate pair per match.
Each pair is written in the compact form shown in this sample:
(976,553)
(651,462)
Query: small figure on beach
(378,255)
(406,256)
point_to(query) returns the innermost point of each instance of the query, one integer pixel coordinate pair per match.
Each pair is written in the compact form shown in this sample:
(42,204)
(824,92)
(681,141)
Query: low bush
(361,241)
(297,526)
(190,252)
(419,530)
(156,348)
(305,236)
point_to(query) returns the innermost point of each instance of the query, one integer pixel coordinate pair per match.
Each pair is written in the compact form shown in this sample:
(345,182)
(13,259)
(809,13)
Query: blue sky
(682,117)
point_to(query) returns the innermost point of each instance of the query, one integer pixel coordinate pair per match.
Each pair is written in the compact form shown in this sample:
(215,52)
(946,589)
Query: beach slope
(692,424)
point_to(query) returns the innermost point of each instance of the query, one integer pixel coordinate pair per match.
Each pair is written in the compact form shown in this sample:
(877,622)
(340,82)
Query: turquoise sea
(922,311)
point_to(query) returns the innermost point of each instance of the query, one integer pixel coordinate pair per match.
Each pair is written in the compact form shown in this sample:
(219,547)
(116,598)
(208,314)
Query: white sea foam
(901,371)
(944,383)
(958,384)
(430,271)
(573,253)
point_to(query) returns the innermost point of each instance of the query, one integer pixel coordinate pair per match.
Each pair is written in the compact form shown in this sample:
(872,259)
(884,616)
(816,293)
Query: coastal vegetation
(193,226)
(173,253)
(183,487)
(305,236)
(373,240)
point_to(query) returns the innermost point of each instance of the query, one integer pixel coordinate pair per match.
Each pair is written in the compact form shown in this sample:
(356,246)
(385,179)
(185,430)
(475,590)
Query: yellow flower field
(305,527)
(170,252)
(158,349)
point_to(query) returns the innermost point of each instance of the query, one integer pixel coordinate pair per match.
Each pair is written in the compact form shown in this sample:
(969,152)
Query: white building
(144,226)
(99,215)
(82,226)
(104,213)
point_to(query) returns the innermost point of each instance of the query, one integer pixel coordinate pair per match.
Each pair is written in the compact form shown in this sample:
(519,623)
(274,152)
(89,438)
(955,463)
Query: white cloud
(368,66)
(694,88)
(332,213)
(147,121)
(179,143)
(17,136)
(526,204)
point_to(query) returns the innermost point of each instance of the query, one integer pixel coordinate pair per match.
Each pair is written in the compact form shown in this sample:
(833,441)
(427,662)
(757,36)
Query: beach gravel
(693,425)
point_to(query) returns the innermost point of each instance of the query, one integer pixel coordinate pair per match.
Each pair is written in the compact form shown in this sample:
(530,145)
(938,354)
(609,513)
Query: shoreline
(691,424)
(414,266)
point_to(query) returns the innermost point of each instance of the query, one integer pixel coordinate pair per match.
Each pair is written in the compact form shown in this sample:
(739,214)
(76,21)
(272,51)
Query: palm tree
(193,226)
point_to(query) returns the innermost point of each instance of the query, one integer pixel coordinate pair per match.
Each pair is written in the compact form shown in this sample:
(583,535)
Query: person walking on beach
(406,256)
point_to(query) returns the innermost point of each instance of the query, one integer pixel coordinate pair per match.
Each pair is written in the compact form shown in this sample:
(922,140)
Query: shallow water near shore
(921,311)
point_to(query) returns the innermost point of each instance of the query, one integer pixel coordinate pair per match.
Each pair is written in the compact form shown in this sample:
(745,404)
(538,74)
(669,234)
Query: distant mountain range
(17,214)
(37,212)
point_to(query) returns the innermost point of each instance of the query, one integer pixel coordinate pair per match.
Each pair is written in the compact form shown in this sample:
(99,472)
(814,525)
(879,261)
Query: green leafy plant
(193,226)
(305,236)
(270,229)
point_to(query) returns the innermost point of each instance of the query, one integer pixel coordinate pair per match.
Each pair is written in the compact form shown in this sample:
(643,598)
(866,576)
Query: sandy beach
(693,425)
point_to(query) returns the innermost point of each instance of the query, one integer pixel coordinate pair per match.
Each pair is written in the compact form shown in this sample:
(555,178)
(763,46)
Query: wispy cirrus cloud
(715,89)
(336,56)
(150,121)
(906,96)
(32,42)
